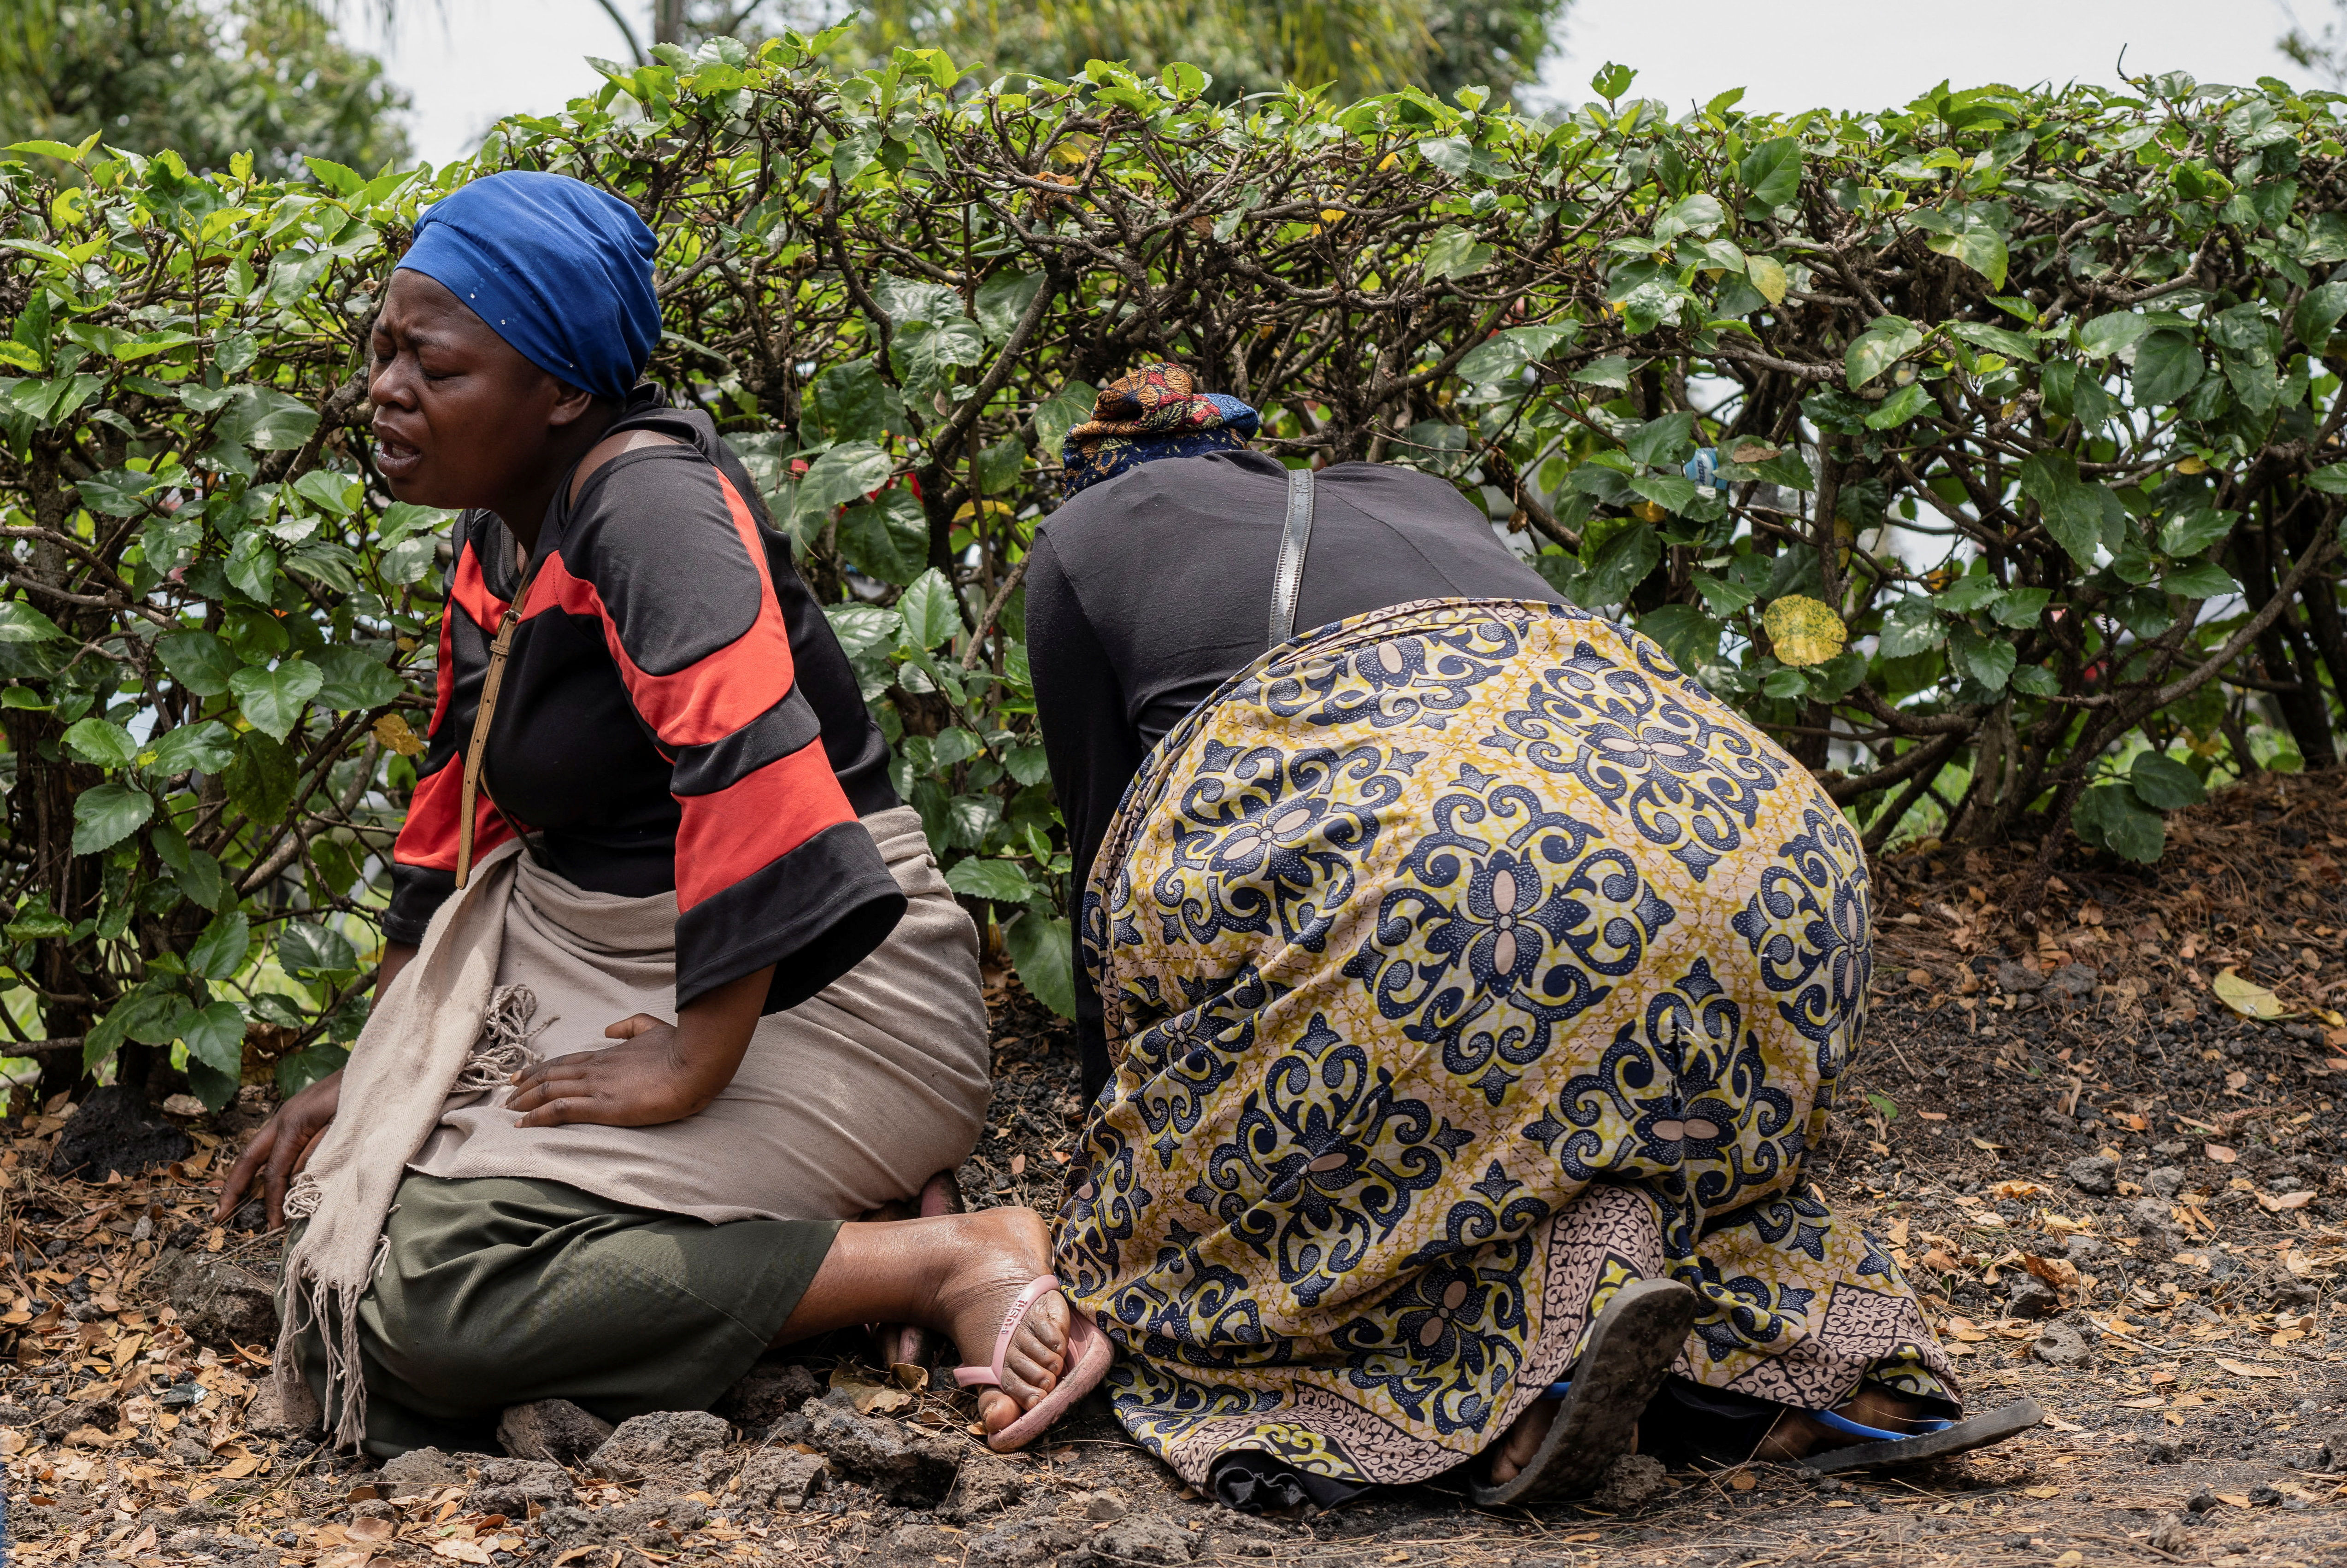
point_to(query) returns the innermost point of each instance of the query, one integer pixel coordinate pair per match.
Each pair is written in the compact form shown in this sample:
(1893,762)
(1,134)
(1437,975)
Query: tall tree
(2323,52)
(1360,47)
(206,78)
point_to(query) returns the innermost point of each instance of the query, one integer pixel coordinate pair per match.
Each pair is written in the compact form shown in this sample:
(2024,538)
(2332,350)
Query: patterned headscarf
(1156,411)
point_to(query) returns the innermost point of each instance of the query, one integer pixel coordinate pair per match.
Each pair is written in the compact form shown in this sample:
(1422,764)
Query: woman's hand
(282,1145)
(641,1083)
(281,1149)
(663,1073)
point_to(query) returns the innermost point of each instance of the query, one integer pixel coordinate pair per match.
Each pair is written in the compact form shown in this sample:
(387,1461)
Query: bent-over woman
(672,986)
(1463,989)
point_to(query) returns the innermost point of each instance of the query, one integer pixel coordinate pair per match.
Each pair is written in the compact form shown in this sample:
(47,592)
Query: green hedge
(1980,450)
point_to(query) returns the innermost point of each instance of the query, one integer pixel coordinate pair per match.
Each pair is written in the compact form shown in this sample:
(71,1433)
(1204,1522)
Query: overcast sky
(468,62)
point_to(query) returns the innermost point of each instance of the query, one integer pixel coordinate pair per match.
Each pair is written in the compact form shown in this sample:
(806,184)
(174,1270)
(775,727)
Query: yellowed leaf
(2191,465)
(2070,1559)
(1804,631)
(392,730)
(237,1470)
(2018,1190)
(2247,997)
(2237,1499)
(1742,1481)
(1767,275)
(462,1551)
(2041,1492)
(2251,1368)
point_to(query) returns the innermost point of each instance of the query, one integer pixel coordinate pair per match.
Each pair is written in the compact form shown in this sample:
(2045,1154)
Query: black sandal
(1888,1451)
(1638,1336)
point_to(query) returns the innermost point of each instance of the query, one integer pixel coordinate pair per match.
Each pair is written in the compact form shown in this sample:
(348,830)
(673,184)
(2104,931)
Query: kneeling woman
(672,986)
(1465,988)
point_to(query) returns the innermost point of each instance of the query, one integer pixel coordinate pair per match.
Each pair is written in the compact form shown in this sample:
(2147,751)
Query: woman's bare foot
(997,1254)
(1798,1434)
(1515,1451)
(957,1274)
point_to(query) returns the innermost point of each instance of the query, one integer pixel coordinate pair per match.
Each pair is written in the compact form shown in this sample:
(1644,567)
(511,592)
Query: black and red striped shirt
(676,714)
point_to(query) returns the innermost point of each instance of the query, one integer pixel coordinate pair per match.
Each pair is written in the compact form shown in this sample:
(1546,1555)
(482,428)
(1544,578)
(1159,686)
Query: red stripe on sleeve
(715,695)
(468,591)
(748,825)
(446,680)
(428,837)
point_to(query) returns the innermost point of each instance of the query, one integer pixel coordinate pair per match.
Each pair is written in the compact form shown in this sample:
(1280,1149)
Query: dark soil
(2072,1124)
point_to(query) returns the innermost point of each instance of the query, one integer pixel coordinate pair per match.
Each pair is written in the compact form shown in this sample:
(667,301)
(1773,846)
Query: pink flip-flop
(1089,1356)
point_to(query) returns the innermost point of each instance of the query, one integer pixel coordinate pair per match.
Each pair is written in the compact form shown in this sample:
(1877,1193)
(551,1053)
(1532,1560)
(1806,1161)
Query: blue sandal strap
(1844,1424)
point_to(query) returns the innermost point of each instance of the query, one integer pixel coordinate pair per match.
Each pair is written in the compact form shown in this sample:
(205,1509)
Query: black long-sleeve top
(1147,592)
(676,714)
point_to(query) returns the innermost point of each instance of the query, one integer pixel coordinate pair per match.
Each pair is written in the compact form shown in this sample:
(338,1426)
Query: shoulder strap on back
(1287,578)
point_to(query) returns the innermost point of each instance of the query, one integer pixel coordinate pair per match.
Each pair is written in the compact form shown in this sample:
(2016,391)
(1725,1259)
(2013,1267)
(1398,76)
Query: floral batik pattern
(1465,962)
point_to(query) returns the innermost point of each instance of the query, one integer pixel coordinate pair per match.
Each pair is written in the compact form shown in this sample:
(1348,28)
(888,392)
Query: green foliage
(262,78)
(2047,435)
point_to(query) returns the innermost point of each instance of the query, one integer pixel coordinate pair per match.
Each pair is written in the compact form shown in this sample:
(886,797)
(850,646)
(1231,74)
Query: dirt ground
(2117,1192)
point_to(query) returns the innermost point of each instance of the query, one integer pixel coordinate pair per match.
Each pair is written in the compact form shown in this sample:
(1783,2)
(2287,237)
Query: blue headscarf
(557,267)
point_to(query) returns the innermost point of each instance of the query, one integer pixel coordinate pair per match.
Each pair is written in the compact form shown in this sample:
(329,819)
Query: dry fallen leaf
(2251,1368)
(462,1551)
(2017,1189)
(237,1470)
(1018,1164)
(2237,1499)
(370,1529)
(2054,1271)
(1742,1481)
(2041,1492)
(870,1398)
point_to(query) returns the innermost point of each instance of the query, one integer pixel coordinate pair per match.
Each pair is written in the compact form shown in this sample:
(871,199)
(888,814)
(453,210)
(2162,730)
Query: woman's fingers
(557,1086)
(556,1113)
(240,1175)
(282,1152)
(573,1066)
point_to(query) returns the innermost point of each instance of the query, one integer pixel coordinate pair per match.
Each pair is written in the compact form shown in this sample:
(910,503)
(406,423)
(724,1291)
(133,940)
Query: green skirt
(499,1291)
